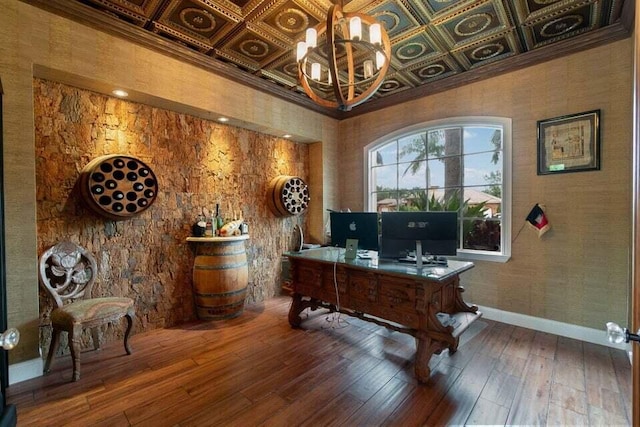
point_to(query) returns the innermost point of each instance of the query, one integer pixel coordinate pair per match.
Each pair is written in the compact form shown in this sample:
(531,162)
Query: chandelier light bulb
(355,28)
(301,50)
(315,71)
(368,69)
(375,34)
(380,60)
(312,37)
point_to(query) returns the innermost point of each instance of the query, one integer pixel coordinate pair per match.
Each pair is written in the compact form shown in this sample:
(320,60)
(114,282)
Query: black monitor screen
(355,225)
(437,231)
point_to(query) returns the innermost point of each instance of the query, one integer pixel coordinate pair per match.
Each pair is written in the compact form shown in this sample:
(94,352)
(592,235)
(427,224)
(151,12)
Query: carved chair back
(68,272)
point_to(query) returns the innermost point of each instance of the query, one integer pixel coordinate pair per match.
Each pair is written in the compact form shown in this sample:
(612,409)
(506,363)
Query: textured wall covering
(578,273)
(198,163)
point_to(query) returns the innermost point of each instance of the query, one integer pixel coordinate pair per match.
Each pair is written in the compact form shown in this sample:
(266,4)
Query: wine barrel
(220,276)
(288,195)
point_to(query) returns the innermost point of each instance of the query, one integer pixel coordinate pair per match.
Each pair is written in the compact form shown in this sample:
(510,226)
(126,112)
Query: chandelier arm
(386,50)
(334,17)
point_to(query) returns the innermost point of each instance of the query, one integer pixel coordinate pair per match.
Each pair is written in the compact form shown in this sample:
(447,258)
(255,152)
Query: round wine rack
(288,195)
(118,186)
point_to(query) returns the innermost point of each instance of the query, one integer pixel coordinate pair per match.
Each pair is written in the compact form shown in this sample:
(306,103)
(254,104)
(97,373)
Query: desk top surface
(433,272)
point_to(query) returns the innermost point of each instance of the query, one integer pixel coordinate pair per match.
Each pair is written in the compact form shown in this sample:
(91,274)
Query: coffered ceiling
(436,44)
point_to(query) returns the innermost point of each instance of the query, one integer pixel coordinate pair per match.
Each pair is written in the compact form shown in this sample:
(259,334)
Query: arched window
(460,164)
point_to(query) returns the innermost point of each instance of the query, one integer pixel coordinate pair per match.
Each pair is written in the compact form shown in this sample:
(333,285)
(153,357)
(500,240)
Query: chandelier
(343,64)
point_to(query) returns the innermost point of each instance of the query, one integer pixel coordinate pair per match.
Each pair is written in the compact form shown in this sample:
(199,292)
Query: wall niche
(198,164)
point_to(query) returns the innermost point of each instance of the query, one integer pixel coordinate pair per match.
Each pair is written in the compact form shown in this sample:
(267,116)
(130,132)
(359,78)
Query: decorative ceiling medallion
(254,48)
(431,71)
(389,85)
(390,20)
(487,51)
(473,24)
(291,69)
(292,21)
(411,51)
(197,19)
(561,25)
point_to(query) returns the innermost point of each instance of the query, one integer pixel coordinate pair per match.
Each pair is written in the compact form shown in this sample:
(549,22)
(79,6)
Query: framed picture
(569,143)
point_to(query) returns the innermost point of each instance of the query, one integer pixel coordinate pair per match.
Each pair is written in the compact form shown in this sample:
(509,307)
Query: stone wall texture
(198,163)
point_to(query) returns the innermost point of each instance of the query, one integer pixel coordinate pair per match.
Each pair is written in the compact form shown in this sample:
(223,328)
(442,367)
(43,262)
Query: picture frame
(569,143)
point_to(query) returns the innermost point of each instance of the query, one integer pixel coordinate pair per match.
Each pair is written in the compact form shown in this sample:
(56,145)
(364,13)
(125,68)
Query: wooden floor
(256,370)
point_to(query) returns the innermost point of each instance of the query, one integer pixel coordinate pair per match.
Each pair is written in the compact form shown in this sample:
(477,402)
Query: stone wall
(198,163)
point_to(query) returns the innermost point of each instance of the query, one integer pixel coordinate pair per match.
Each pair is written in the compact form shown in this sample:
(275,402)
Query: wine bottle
(219,219)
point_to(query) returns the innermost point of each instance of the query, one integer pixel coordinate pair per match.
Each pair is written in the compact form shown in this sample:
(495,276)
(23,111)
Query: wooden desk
(400,297)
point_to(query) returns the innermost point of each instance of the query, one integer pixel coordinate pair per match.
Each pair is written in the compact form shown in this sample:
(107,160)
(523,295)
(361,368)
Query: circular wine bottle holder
(118,186)
(288,195)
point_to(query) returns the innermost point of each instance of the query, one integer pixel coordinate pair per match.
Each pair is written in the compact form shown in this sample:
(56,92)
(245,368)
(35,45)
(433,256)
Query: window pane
(444,199)
(384,177)
(414,200)
(494,184)
(435,143)
(482,235)
(435,178)
(412,175)
(453,142)
(412,148)
(480,204)
(385,201)
(478,139)
(445,172)
(385,155)
(478,168)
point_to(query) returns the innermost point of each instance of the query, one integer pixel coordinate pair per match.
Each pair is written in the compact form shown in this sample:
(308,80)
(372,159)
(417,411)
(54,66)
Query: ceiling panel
(434,42)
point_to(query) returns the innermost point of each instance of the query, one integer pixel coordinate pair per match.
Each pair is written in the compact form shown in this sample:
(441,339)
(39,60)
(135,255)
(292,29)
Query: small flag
(538,220)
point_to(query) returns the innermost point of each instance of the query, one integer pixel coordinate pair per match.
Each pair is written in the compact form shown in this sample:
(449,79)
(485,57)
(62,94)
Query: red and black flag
(538,220)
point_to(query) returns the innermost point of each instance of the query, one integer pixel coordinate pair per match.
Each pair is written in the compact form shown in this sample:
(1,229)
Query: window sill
(482,256)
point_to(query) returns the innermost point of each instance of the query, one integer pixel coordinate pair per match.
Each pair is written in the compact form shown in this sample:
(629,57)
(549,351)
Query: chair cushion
(91,309)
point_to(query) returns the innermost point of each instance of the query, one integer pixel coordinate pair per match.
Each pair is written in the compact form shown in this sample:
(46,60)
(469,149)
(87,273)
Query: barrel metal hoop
(222,294)
(221,267)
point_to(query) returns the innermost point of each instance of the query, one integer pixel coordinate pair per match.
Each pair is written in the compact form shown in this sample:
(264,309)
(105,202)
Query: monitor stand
(418,254)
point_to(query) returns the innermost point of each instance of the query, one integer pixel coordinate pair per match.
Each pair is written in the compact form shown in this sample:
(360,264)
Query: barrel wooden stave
(220,276)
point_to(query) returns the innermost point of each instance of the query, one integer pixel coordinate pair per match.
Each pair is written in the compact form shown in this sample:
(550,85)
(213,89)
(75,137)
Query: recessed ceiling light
(121,93)
(223,119)
(286,136)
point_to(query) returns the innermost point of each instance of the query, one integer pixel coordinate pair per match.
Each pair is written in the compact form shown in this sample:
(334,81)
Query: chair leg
(53,348)
(74,344)
(127,347)
(95,335)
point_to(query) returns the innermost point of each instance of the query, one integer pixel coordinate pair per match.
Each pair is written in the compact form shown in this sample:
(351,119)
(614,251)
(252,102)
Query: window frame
(466,121)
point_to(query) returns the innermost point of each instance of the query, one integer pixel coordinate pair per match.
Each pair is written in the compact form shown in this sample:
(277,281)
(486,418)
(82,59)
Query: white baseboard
(594,336)
(27,370)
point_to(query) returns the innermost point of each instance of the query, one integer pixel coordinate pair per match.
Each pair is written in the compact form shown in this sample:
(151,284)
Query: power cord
(336,321)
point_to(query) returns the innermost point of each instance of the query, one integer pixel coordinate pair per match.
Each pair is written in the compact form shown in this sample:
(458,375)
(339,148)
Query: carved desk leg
(426,347)
(297,306)
(460,305)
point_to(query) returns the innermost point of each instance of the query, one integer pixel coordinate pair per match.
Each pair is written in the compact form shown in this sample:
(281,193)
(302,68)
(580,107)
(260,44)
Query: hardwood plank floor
(256,370)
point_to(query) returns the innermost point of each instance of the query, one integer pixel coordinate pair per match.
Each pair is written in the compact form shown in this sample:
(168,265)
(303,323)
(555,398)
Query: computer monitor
(437,233)
(355,225)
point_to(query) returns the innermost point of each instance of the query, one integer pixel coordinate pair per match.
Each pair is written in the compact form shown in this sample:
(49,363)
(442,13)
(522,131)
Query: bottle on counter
(200,227)
(219,220)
